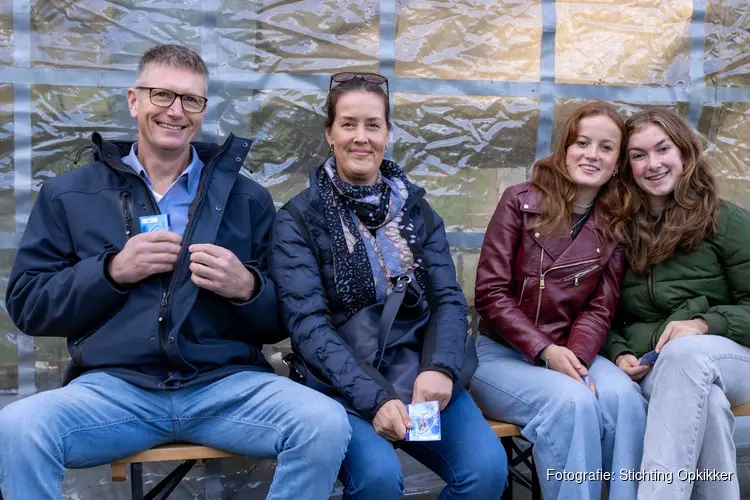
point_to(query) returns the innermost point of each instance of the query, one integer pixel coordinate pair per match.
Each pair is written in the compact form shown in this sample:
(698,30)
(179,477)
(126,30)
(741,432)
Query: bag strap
(302,226)
(390,310)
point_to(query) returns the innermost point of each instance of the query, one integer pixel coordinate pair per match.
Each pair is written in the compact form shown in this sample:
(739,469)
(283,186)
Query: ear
(133,102)
(329,137)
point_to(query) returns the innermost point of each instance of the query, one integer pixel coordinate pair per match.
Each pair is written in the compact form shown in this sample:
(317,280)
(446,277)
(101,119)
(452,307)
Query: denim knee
(18,423)
(328,425)
(683,351)
(486,475)
(380,478)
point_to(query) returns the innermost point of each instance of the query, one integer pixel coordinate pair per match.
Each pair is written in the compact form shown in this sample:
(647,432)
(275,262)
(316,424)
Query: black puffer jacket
(312,310)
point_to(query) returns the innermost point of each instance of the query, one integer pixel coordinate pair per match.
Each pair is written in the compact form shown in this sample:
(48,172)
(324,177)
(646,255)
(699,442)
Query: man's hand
(219,270)
(677,329)
(432,385)
(145,254)
(391,421)
(561,359)
(629,364)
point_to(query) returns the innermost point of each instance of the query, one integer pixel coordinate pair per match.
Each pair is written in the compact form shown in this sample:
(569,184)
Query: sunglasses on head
(368,77)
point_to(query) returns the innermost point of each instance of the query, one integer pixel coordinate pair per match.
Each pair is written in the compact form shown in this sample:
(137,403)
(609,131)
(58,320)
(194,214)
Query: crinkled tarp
(479,90)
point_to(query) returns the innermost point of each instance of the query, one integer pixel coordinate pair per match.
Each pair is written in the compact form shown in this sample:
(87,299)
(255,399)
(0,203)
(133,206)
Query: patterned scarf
(372,238)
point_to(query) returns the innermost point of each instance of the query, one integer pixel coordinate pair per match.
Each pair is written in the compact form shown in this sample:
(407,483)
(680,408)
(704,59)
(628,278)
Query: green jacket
(712,283)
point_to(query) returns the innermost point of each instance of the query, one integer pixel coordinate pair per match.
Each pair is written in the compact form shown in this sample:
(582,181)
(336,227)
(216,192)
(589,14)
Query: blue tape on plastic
(547,72)
(22,168)
(697,58)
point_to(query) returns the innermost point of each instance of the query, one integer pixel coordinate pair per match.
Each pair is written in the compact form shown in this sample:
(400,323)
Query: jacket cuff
(259,282)
(440,369)
(616,349)
(717,324)
(537,351)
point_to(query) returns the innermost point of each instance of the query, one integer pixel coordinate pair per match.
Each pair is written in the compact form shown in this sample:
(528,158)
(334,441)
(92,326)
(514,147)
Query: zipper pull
(541,282)
(576,281)
(164,299)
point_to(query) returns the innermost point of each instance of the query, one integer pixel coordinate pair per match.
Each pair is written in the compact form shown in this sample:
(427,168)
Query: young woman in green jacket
(686,296)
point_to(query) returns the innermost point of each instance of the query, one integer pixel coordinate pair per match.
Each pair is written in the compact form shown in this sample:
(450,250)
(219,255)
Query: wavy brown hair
(550,175)
(690,213)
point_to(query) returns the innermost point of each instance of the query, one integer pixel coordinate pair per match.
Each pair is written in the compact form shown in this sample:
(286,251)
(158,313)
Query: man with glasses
(165,327)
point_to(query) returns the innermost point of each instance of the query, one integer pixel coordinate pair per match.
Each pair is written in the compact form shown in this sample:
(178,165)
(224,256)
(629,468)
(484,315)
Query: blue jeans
(571,430)
(99,418)
(470,458)
(691,389)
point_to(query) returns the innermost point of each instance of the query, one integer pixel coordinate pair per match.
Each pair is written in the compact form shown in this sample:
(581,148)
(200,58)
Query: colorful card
(425,417)
(158,222)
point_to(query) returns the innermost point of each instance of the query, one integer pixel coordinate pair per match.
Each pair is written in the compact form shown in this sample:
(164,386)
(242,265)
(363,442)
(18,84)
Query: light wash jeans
(469,457)
(690,425)
(572,431)
(99,418)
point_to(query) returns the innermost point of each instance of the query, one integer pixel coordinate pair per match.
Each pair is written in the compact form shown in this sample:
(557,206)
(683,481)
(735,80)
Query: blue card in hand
(158,222)
(649,358)
(425,417)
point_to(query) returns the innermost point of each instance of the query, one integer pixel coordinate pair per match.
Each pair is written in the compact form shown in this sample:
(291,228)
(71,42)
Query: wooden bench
(190,455)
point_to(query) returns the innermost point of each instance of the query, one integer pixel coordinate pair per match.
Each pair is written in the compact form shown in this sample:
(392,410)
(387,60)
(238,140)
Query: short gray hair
(176,56)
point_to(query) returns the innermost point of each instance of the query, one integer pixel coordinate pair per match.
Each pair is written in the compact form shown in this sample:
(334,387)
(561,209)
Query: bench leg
(169,483)
(136,481)
(536,489)
(508,445)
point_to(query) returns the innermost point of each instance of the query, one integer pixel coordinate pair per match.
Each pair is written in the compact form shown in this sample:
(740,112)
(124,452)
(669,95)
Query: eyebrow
(658,144)
(344,117)
(589,138)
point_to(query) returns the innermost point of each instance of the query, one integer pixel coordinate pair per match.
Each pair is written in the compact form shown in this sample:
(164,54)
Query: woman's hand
(561,359)
(629,364)
(392,420)
(677,329)
(433,385)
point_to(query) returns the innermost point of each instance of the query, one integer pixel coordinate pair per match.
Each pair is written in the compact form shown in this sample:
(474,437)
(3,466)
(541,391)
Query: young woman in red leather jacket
(547,286)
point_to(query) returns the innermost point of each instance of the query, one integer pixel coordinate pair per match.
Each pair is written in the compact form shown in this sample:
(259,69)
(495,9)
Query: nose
(592,151)
(360,136)
(175,110)
(653,161)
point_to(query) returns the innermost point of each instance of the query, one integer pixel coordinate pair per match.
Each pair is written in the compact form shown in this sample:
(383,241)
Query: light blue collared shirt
(176,201)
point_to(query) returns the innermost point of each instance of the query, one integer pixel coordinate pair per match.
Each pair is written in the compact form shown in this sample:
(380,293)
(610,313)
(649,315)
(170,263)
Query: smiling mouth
(589,169)
(169,126)
(360,153)
(657,177)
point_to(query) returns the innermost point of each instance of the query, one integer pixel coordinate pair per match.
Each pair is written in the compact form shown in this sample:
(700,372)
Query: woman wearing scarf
(359,232)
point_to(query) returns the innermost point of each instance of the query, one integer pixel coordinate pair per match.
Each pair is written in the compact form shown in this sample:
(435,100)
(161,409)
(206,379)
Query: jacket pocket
(523,289)
(582,274)
(77,354)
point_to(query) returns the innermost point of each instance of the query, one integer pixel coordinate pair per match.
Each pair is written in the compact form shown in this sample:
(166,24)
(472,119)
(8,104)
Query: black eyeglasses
(164,98)
(368,77)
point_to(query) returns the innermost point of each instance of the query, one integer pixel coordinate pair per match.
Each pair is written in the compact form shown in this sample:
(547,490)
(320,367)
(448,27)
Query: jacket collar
(112,152)
(564,249)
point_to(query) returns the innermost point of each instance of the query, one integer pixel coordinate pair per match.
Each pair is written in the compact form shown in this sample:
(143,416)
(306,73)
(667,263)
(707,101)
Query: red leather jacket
(533,291)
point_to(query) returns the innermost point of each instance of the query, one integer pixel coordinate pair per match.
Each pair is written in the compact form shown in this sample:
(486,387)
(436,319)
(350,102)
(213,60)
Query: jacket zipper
(650,284)
(523,289)
(582,274)
(193,209)
(126,204)
(541,279)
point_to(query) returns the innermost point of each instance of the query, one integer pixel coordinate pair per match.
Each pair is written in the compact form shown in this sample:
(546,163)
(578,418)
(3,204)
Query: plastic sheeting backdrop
(479,90)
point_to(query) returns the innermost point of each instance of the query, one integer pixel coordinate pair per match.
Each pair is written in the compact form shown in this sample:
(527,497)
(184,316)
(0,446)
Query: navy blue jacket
(163,332)
(312,309)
